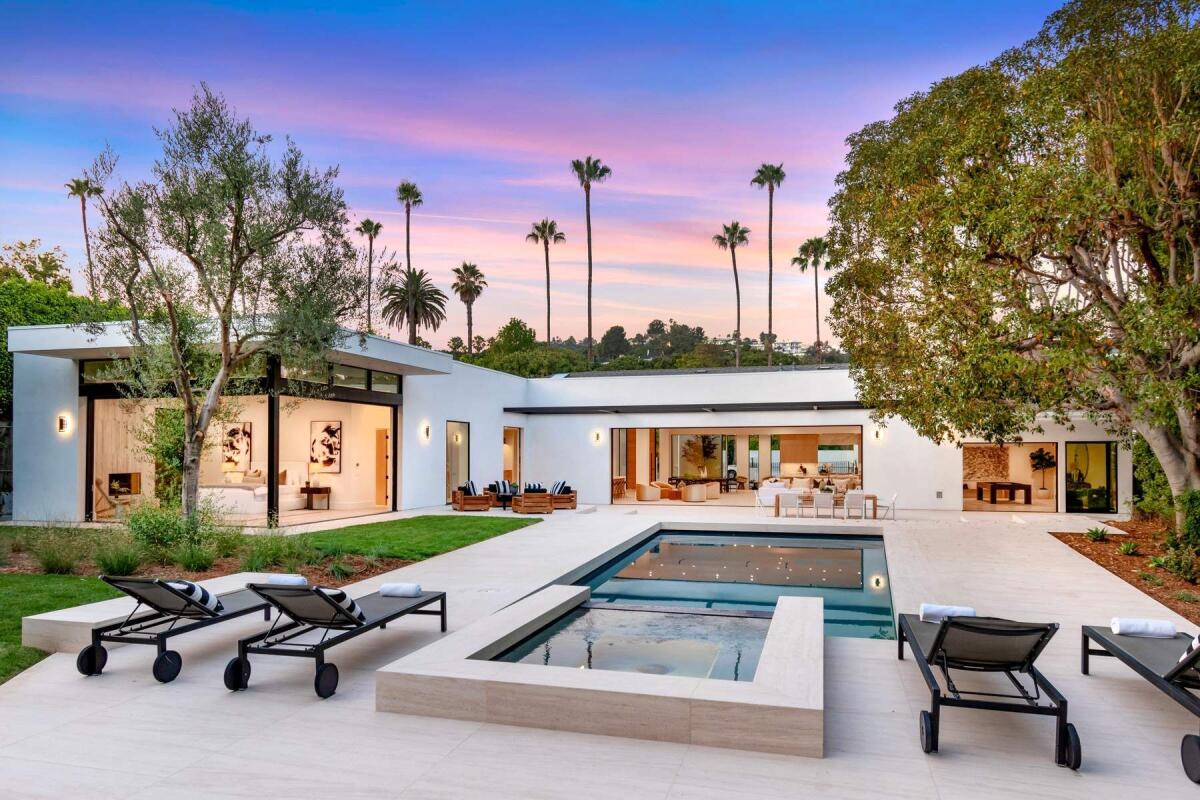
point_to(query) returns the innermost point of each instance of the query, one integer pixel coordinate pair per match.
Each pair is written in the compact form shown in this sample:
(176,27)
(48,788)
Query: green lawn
(22,595)
(415,538)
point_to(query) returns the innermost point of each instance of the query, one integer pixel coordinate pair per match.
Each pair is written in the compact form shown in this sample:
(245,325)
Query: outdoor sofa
(987,644)
(1169,665)
(312,610)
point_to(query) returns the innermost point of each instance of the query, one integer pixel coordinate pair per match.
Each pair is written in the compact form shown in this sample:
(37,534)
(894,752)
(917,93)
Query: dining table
(806,499)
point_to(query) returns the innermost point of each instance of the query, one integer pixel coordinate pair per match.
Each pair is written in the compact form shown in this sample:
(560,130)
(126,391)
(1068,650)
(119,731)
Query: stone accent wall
(985,462)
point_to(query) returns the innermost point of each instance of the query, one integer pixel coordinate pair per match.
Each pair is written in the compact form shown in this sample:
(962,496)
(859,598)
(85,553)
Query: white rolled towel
(932,612)
(288,580)
(1150,628)
(400,590)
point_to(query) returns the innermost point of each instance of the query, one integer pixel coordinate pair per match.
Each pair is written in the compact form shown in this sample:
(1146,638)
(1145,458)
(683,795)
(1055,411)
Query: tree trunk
(587,205)
(737,291)
(370,272)
(770,272)
(817,303)
(412,329)
(407,234)
(1179,462)
(470,327)
(546,244)
(87,244)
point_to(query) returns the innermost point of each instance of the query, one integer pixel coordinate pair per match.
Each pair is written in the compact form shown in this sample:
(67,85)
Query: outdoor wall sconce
(595,437)
(63,424)
(428,432)
(457,438)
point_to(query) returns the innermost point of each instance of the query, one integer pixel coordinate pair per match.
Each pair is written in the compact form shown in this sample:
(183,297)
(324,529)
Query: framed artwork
(325,447)
(235,447)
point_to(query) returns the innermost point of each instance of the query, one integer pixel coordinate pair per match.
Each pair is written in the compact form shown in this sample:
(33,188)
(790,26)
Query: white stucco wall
(467,394)
(48,466)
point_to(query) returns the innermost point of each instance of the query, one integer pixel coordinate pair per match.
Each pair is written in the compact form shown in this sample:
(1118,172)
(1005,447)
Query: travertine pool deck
(125,735)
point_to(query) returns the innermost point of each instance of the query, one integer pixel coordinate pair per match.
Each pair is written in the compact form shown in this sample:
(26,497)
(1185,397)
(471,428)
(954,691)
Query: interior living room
(1010,477)
(727,466)
(334,458)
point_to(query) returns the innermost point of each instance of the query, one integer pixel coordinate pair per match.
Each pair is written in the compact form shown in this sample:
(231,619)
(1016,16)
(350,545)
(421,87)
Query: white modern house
(398,427)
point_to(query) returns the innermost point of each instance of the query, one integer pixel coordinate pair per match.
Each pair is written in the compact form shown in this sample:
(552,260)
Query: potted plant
(1041,460)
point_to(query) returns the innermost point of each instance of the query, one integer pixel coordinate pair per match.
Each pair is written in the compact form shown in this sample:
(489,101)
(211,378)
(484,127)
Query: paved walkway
(124,735)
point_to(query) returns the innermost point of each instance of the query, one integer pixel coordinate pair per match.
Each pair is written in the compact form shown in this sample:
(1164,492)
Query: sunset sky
(484,106)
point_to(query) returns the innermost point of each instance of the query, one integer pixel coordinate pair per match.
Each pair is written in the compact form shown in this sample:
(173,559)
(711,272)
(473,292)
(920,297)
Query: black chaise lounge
(170,613)
(312,609)
(987,644)
(1158,661)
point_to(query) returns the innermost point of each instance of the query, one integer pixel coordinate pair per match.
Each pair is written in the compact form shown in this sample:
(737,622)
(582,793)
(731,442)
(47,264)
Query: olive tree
(1024,238)
(234,250)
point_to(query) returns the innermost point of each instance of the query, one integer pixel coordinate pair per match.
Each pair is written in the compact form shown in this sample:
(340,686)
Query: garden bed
(1172,591)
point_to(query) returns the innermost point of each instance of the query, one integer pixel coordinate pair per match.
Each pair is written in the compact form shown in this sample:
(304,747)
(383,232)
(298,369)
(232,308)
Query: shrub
(1128,548)
(1179,559)
(59,552)
(119,556)
(225,540)
(156,528)
(1186,597)
(1189,504)
(1150,578)
(1096,534)
(339,570)
(194,557)
(275,550)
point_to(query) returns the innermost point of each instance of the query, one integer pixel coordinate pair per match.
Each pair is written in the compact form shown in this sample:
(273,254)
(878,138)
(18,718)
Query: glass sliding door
(512,455)
(458,455)
(1092,476)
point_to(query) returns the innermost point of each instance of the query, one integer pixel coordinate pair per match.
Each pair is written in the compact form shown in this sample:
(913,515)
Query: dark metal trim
(89,460)
(682,408)
(272,381)
(394,466)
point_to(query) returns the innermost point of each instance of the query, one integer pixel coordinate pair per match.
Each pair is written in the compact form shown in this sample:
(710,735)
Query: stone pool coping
(780,711)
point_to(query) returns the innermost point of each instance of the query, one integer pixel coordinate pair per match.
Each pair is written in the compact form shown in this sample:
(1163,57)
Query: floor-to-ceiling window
(1091,477)
(458,455)
(1019,476)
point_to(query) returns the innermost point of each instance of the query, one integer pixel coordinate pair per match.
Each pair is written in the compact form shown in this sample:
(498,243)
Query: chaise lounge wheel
(928,732)
(91,660)
(1189,752)
(237,674)
(1074,754)
(325,684)
(167,665)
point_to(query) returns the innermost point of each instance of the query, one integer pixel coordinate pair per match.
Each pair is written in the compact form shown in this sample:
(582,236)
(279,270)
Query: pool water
(749,573)
(698,605)
(653,643)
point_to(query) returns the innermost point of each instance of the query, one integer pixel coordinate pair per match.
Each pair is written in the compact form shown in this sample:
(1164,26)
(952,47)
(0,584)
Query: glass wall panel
(385,382)
(697,455)
(1092,476)
(350,377)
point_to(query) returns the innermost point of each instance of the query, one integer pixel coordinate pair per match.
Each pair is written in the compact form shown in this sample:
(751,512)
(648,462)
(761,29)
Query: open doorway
(512,455)
(458,455)
(1010,477)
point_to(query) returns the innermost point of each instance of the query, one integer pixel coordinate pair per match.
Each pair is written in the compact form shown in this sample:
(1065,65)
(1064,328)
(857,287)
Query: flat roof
(611,373)
(683,408)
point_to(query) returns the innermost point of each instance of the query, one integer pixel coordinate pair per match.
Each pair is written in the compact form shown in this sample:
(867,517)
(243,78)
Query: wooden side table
(310,492)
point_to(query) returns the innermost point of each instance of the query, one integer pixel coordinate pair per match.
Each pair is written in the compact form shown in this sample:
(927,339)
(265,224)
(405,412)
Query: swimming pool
(747,573)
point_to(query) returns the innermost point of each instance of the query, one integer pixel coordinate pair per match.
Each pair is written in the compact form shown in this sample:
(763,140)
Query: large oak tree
(234,250)
(1024,238)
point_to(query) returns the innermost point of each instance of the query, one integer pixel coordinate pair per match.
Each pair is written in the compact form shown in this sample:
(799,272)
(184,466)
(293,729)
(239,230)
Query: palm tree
(731,237)
(409,196)
(413,300)
(770,176)
(589,171)
(370,229)
(83,188)
(547,233)
(468,285)
(813,253)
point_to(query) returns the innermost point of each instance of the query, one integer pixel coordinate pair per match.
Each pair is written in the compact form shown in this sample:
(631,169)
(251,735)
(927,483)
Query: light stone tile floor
(123,735)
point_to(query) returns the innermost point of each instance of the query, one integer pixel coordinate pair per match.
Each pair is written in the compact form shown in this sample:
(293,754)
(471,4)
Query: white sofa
(250,497)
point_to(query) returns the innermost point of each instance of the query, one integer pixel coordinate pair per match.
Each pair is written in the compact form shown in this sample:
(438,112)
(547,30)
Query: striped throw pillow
(558,487)
(1191,647)
(198,594)
(345,601)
